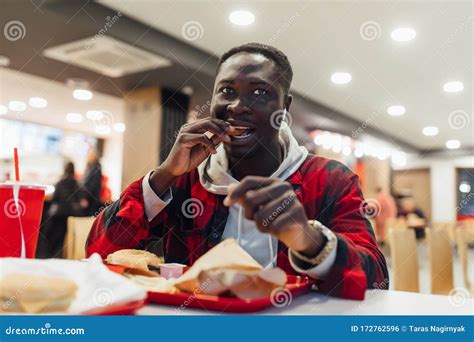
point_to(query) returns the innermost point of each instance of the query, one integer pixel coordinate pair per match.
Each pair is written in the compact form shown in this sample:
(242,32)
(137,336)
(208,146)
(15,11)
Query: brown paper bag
(227,268)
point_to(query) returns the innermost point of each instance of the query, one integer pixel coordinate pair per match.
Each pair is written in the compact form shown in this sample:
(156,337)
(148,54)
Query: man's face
(247,91)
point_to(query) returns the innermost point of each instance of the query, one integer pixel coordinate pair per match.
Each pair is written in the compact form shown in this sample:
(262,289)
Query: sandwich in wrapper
(31,294)
(136,261)
(227,269)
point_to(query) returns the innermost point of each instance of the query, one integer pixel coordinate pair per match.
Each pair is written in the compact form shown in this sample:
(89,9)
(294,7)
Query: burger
(135,259)
(31,294)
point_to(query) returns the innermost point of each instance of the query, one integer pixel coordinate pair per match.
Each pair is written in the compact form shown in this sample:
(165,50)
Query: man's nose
(238,106)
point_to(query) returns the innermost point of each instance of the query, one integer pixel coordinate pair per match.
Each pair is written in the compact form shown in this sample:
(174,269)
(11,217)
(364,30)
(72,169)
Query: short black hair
(280,59)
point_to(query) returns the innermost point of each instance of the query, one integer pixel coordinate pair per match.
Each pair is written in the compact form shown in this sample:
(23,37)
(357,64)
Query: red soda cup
(21,208)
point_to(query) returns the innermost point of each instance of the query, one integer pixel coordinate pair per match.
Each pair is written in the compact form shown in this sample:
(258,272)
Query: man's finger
(190,140)
(215,126)
(255,199)
(248,183)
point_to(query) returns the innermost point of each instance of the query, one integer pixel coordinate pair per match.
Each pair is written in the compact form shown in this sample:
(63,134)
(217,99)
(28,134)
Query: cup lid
(11,184)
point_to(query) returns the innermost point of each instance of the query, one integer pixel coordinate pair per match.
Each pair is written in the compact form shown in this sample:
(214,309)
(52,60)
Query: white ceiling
(324,37)
(19,86)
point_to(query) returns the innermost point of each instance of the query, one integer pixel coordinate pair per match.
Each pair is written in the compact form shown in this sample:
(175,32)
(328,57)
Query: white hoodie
(215,177)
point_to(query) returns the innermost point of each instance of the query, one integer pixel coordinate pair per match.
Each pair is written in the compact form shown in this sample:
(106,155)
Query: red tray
(296,285)
(117,309)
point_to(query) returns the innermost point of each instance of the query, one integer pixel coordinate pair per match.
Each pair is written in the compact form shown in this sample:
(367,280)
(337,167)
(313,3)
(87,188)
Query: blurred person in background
(388,209)
(65,203)
(105,191)
(415,217)
(92,184)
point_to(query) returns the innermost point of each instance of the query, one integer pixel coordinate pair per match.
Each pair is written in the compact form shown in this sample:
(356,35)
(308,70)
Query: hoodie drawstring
(239,225)
(239,233)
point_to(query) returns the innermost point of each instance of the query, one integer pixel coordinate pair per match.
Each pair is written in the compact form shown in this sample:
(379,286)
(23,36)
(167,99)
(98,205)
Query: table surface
(377,302)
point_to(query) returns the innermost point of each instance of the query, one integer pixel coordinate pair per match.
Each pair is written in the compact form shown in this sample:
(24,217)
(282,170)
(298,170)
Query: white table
(377,302)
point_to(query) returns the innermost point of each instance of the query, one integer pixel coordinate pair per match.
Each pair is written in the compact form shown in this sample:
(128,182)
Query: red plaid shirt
(328,190)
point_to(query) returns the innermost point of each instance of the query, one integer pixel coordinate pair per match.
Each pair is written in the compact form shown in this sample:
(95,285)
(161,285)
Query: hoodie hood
(214,172)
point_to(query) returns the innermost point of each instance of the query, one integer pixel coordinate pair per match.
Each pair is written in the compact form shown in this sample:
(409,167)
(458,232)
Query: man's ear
(288,101)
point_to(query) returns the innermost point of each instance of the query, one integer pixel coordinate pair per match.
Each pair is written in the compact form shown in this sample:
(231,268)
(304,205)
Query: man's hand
(275,208)
(192,146)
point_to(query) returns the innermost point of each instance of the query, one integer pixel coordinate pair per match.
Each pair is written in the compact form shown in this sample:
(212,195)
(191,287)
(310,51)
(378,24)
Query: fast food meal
(225,270)
(31,294)
(135,259)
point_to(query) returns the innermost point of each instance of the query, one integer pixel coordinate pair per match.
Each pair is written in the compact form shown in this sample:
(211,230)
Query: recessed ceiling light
(453,87)
(403,34)
(74,117)
(430,131)
(465,187)
(17,106)
(337,148)
(82,94)
(396,110)
(187,90)
(38,102)
(453,144)
(119,127)
(3,110)
(341,77)
(358,153)
(346,151)
(399,158)
(4,61)
(94,114)
(242,18)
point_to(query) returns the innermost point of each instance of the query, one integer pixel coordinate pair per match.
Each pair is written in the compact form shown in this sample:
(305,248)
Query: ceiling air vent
(107,56)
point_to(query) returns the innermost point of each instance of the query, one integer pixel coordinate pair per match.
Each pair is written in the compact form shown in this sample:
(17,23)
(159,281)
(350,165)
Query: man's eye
(260,92)
(227,90)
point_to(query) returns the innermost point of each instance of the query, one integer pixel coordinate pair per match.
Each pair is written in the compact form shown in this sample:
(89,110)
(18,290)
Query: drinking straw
(15,157)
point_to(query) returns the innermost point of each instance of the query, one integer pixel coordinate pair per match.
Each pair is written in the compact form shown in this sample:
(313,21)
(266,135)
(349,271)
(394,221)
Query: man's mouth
(240,132)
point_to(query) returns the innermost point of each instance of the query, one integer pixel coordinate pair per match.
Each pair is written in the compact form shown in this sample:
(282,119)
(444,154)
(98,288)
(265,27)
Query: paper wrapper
(97,286)
(229,268)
